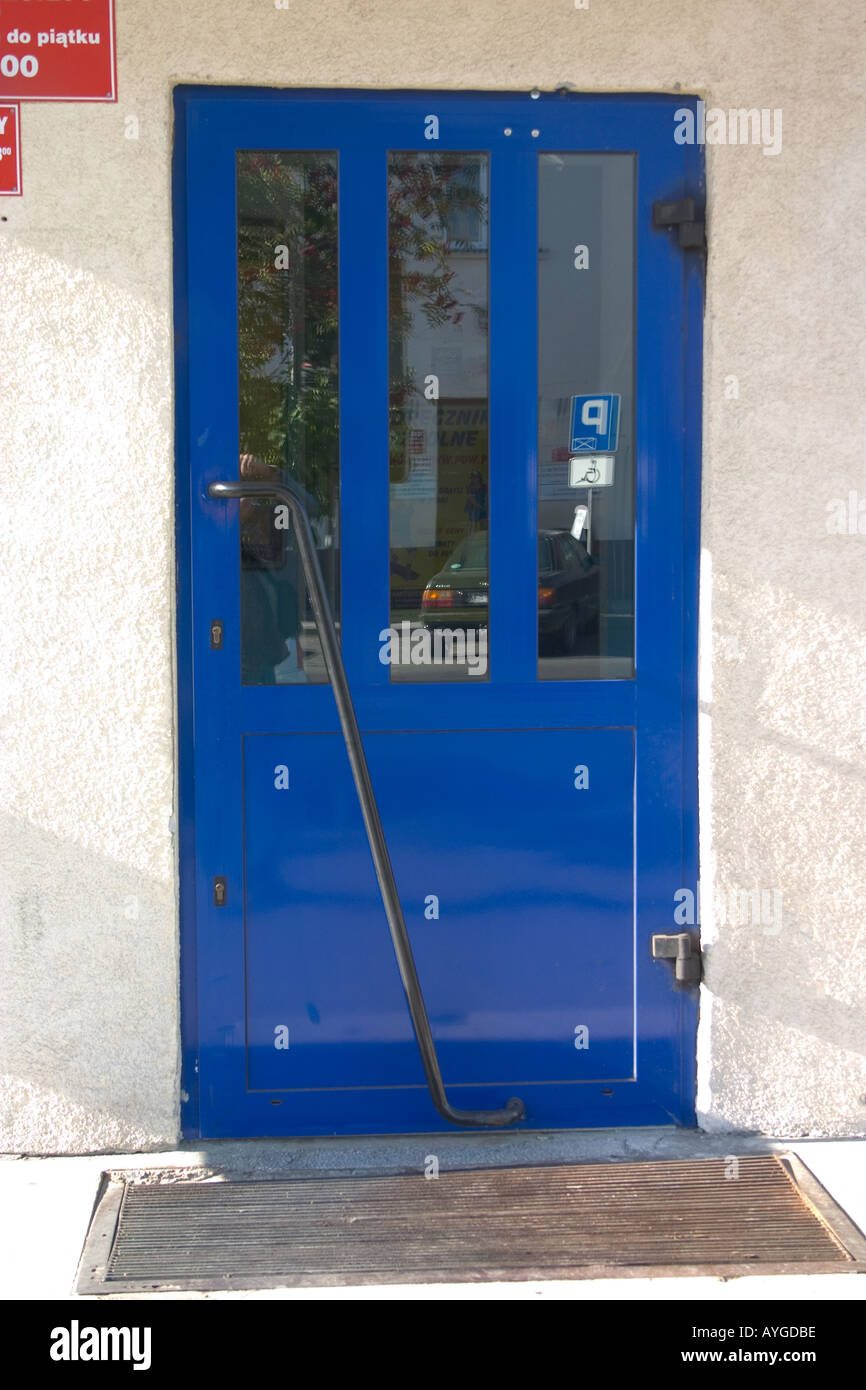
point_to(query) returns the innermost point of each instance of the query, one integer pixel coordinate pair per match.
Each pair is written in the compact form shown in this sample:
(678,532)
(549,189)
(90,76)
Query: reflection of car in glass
(568,602)
(458,595)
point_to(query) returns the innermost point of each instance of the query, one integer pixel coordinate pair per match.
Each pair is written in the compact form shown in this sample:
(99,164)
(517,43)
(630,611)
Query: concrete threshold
(46,1203)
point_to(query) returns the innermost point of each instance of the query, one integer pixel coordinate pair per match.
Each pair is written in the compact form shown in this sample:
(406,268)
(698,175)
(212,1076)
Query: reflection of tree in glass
(287,301)
(287,316)
(431,199)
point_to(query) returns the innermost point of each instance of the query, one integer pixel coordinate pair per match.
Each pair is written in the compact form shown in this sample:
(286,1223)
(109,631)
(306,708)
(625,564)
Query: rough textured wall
(89,1017)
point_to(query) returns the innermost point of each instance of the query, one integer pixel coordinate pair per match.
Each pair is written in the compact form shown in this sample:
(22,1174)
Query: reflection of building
(581,197)
(444,497)
(587,201)
(441,495)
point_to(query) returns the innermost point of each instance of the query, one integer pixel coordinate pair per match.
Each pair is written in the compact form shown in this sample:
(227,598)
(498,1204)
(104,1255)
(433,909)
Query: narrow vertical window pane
(586,417)
(438,380)
(287,347)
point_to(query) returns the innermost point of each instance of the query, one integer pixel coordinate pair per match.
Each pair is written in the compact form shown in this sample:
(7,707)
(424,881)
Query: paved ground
(46,1203)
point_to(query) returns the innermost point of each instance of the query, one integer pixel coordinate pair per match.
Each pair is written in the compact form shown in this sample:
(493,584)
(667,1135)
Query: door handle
(515,1109)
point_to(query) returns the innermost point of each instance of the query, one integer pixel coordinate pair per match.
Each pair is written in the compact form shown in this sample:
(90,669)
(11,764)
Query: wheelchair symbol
(591,475)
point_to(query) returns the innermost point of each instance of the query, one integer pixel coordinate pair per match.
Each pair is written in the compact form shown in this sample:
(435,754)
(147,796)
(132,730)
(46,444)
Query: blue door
(451,325)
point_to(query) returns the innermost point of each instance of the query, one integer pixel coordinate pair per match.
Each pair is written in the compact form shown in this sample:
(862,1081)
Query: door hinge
(688,220)
(219,892)
(684,949)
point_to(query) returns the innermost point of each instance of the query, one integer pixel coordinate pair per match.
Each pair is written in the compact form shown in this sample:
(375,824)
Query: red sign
(10,151)
(57,50)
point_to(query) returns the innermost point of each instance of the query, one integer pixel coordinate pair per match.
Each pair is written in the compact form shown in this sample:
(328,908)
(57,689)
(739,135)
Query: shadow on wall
(783,802)
(89,1008)
(89,1017)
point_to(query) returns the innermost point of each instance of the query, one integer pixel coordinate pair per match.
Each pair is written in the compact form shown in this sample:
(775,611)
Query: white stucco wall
(89,1012)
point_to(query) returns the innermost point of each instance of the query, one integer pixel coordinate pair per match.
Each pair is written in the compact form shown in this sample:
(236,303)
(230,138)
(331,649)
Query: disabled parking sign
(594,424)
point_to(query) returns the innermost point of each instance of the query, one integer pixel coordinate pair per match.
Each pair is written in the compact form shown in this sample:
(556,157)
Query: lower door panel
(513,852)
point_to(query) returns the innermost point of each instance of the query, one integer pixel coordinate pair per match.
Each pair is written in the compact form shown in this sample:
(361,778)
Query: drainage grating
(564,1222)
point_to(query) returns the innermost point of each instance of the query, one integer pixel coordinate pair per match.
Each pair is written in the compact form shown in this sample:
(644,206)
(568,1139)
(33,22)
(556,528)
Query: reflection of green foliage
(429,196)
(287,317)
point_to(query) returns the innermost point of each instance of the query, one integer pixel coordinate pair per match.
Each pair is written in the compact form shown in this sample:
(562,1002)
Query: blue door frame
(642,732)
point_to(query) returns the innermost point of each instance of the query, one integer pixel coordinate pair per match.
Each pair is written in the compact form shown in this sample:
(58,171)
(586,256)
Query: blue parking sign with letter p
(594,424)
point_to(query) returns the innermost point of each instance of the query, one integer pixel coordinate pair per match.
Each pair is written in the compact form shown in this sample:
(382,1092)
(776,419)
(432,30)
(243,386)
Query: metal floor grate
(574,1221)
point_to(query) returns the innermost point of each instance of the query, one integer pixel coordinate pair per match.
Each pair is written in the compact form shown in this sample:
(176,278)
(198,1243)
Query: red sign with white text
(57,50)
(10,151)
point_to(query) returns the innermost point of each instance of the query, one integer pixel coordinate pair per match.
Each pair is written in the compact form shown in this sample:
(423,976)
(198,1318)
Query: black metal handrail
(515,1109)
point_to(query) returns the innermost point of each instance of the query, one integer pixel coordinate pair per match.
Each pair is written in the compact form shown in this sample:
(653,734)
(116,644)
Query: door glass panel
(287,350)
(586,417)
(438,384)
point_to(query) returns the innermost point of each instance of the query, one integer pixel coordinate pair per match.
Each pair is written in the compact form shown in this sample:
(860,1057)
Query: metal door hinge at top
(688,220)
(514,1110)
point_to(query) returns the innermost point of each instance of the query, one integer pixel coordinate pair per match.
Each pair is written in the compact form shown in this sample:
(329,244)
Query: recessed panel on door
(513,853)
